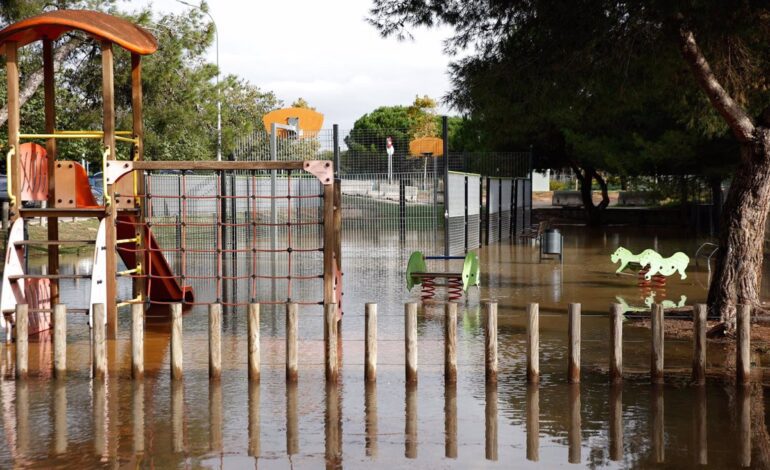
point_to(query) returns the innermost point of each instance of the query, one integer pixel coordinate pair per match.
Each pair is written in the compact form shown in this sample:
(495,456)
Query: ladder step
(49,276)
(98,212)
(53,243)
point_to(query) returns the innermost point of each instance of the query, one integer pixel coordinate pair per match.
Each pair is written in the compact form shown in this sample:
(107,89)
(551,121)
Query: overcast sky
(325,52)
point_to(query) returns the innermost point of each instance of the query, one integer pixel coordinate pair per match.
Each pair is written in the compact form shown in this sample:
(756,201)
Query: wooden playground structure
(41,186)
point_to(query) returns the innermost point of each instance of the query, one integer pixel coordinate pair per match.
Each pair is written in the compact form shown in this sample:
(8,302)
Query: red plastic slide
(163,286)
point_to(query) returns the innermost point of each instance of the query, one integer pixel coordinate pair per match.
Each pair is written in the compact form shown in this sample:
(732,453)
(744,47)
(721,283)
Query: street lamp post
(219,92)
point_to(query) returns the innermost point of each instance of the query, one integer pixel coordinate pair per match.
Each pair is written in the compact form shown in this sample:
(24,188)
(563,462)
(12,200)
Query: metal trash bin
(552,243)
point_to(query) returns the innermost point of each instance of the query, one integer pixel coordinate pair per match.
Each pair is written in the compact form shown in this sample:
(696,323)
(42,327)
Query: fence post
(616,343)
(445,139)
(743,334)
(533,343)
(291,342)
(402,210)
(656,359)
(22,341)
(573,368)
(176,342)
(215,341)
(490,342)
(137,341)
(100,353)
(371,343)
(59,341)
(411,342)
(330,343)
(699,345)
(450,342)
(254,350)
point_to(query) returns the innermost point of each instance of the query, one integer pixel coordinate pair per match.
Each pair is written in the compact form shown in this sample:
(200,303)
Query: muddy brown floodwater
(154,423)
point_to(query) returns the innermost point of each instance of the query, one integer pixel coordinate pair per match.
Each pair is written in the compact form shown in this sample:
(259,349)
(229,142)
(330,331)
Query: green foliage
(180,93)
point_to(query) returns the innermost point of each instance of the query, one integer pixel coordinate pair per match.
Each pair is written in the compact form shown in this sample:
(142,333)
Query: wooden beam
(329,244)
(108,104)
(214,165)
(49,87)
(12,77)
(139,283)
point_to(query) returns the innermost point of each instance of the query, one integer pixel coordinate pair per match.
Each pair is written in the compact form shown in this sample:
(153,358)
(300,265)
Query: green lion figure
(626,257)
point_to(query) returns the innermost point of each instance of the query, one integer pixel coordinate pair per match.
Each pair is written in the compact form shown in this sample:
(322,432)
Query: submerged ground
(80,423)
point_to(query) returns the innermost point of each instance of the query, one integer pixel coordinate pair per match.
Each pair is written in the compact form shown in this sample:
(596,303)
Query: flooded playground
(195,423)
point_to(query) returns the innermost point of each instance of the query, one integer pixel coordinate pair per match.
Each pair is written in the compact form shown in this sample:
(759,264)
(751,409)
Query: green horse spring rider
(456,283)
(653,261)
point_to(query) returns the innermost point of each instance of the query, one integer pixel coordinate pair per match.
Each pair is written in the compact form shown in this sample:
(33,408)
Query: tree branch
(35,79)
(736,117)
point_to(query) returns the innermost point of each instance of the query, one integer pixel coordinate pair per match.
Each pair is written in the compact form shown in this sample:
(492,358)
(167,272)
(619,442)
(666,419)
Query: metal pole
(336,139)
(273,214)
(445,138)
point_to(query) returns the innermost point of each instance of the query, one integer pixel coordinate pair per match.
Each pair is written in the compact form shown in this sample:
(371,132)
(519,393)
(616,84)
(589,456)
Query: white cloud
(325,52)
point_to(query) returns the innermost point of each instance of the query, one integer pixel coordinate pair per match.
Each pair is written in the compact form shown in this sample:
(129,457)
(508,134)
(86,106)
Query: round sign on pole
(389,146)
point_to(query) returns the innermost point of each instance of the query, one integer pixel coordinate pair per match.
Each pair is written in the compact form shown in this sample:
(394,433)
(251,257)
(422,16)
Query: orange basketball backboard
(426,147)
(310,121)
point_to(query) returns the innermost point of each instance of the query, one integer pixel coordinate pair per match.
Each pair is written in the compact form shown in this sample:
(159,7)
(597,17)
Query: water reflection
(177,416)
(658,423)
(450,420)
(700,436)
(744,426)
(254,419)
(490,422)
(137,410)
(333,426)
(100,417)
(533,422)
(574,439)
(60,417)
(370,416)
(616,422)
(22,417)
(292,424)
(410,428)
(215,415)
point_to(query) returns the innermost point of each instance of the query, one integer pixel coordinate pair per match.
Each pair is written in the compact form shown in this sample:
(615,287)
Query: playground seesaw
(456,282)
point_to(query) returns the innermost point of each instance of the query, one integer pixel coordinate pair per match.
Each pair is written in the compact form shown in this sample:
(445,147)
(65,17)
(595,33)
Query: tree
(627,47)
(178,84)
(301,103)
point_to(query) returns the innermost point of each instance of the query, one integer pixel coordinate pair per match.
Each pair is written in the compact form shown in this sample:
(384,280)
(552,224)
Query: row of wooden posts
(743,361)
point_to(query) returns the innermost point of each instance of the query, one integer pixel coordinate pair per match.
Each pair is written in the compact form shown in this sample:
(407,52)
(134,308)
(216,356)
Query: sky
(325,52)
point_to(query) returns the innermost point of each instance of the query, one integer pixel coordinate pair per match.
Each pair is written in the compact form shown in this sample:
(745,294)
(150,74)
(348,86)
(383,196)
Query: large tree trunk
(586,176)
(738,274)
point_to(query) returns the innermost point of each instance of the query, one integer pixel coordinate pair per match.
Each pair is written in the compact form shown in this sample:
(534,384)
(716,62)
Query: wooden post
(743,335)
(699,345)
(330,343)
(450,342)
(329,243)
(292,373)
(100,350)
(656,355)
(616,343)
(254,350)
(533,343)
(59,341)
(176,342)
(370,354)
(108,107)
(13,105)
(338,223)
(137,341)
(140,283)
(573,367)
(490,342)
(49,91)
(215,341)
(6,211)
(411,342)
(22,341)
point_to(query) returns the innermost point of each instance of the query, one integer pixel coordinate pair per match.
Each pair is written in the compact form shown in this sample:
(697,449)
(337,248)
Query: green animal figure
(677,262)
(666,303)
(626,257)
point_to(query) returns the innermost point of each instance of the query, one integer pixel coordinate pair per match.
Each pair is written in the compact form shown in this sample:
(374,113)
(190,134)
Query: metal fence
(393,201)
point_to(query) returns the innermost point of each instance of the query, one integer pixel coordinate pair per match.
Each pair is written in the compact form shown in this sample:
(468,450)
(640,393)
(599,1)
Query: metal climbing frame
(231,232)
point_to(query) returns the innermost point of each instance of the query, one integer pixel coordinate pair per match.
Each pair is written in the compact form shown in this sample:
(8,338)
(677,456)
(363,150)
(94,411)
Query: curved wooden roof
(99,25)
